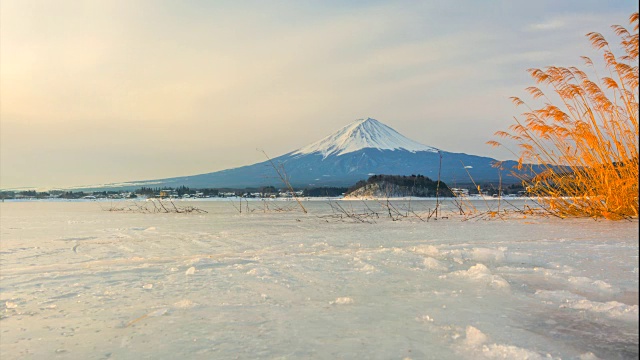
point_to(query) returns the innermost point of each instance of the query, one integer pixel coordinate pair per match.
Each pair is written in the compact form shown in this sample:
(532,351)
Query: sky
(95,92)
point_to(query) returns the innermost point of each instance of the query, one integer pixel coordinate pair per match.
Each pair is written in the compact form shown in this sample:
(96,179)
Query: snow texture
(362,134)
(78,282)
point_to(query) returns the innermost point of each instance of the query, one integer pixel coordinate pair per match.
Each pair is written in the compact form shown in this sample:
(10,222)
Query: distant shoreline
(222,199)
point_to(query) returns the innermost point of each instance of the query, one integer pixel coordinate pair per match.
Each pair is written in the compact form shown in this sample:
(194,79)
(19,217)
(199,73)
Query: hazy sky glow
(109,91)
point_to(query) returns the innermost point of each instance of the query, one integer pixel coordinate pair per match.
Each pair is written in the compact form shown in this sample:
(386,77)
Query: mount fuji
(363,148)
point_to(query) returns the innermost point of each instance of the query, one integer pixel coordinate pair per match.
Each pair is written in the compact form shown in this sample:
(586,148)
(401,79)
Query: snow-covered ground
(77,282)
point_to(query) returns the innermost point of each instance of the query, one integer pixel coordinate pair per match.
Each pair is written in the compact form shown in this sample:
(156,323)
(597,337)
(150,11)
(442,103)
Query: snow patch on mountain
(361,134)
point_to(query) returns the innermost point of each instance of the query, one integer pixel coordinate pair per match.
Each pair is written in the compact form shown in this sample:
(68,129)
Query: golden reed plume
(586,148)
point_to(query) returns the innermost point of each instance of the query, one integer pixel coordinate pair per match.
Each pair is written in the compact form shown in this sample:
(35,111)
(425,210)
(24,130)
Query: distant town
(402,187)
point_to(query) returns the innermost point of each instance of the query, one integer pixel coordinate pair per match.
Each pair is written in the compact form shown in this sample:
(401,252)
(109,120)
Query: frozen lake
(77,282)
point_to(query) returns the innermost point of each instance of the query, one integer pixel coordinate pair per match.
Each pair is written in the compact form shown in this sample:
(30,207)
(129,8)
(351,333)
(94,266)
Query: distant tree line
(324,191)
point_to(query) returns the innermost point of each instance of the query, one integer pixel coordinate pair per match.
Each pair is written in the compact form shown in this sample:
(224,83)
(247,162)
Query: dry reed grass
(587,146)
(154,206)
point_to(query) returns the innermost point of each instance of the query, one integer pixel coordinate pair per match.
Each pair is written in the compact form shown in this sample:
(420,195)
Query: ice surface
(433,264)
(481,274)
(78,282)
(342,301)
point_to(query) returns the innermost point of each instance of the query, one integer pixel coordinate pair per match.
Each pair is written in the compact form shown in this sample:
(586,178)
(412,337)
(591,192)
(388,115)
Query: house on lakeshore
(167,193)
(460,192)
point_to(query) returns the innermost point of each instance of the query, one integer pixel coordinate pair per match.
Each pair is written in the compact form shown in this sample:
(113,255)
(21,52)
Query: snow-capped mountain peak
(361,134)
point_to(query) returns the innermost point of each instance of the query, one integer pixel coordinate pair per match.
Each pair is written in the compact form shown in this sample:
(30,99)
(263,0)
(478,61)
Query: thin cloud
(546,26)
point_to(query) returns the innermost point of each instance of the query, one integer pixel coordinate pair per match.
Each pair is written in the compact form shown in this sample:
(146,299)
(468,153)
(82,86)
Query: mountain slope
(358,150)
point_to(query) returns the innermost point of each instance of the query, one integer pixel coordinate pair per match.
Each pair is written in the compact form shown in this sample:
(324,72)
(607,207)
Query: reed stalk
(582,153)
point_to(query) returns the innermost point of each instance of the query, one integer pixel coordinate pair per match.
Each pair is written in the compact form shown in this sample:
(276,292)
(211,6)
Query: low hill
(378,186)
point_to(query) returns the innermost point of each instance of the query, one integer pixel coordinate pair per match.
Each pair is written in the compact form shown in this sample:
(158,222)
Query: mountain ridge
(356,151)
